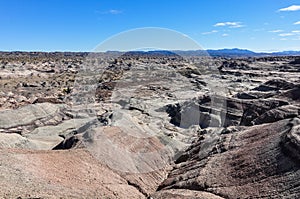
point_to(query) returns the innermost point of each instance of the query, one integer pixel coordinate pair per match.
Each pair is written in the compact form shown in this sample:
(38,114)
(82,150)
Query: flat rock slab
(47,137)
(27,115)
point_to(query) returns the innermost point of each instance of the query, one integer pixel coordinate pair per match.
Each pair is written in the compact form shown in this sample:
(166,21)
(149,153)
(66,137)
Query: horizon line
(214,49)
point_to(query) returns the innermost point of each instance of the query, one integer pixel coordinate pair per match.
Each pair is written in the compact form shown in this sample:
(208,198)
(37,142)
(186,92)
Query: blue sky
(65,25)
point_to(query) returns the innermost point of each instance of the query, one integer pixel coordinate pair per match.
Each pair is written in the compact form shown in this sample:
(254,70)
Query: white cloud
(275,31)
(208,33)
(290,8)
(286,34)
(294,33)
(229,24)
(297,23)
(225,35)
(114,12)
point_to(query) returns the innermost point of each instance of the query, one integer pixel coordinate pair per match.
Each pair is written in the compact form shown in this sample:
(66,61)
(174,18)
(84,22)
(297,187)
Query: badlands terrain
(148,125)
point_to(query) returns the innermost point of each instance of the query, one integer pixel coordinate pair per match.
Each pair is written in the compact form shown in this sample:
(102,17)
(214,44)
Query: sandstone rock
(291,141)
(27,115)
(253,166)
(275,84)
(274,115)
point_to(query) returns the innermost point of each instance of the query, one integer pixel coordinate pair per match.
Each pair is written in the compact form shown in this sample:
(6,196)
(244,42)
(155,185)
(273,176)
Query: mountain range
(236,52)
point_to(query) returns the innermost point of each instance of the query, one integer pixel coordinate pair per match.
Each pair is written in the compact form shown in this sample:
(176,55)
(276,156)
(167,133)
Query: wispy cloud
(225,35)
(229,24)
(297,23)
(290,35)
(290,8)
(111,11)
(208,33)
(276,31)
(286,34)
(115,12)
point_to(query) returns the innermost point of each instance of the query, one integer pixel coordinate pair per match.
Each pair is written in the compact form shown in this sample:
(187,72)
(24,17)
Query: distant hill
(215,53)
(150,53)
(287,53)
(235,52)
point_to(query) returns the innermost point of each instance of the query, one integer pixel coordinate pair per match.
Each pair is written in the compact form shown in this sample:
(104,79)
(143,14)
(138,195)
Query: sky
(78,25)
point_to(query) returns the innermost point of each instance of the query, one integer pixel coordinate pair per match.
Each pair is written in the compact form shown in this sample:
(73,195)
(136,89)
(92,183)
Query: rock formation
(107,125)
